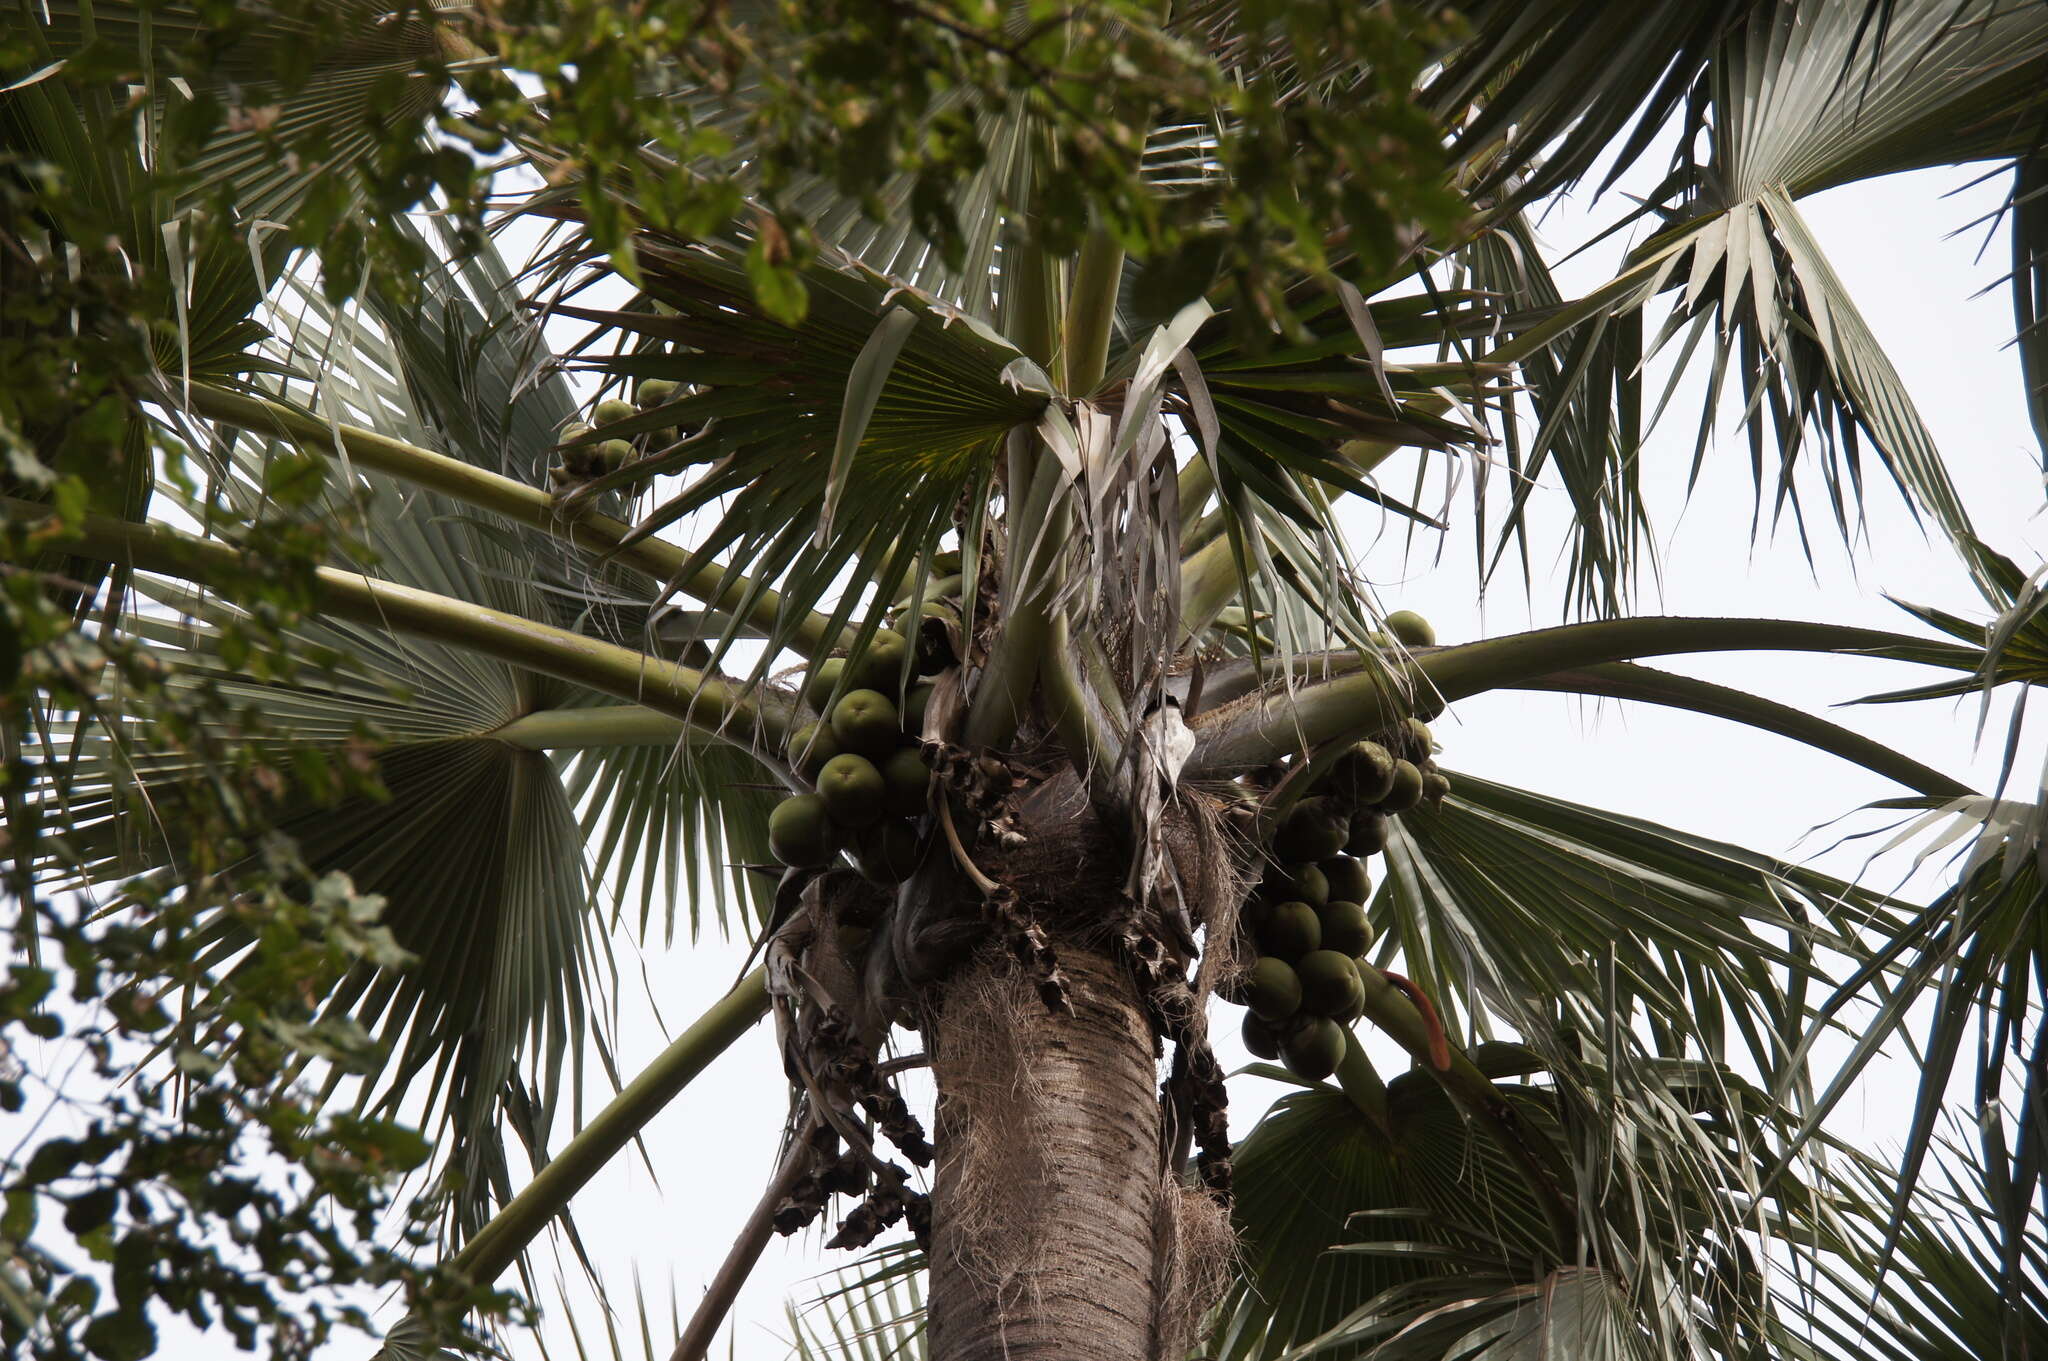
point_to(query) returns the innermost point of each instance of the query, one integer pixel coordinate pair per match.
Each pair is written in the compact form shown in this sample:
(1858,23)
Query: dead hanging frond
(831,1026)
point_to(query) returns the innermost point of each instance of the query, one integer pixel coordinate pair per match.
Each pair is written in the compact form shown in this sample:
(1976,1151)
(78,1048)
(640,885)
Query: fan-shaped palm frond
(1334,1209)
(1963,1285)
(478,841)
(873,1311)
(1788,103)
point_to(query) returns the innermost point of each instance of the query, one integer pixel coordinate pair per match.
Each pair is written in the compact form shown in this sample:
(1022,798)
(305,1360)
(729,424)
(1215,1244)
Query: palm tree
(1077,522)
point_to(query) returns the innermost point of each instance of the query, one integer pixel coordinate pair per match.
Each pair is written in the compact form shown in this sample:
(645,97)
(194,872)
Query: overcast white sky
(1890,240)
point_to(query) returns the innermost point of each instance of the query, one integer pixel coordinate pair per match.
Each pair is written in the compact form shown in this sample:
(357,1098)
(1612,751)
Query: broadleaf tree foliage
(896,516)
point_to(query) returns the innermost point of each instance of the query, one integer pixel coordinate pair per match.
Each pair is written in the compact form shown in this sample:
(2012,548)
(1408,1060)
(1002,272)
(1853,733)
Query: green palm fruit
(914,705)
(1272,989)
(1296,883)
(800,833)
(881,665)
(1435,784)
(865,721)
(1411,628)
(1313,830)
(1407,790)
(812,746)
(614,454)
(612,410)
(1314,1050)
(1347,879)
(652,392)
(1261,1038)
(853,790)
(1344,927)
(1368,834)
(1287,930)
(574,430)
(888,852)
(822,680)
(1363,774)
(1417,741)
(1328,980)
(909,780)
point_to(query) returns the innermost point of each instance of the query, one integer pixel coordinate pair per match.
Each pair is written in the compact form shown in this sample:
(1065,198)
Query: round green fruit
(853,790)
(811,747)
(1344,928)
(1411,628)
(1347,879)
(1314,830)
(653,392)
(800,833)
(1407,790)
(1297,883)
(865,721)
(615,453)
(1314,1050)
(1272,989)
(1328,981)
(1363,774)
(1435,784)
(909,780)
(1288,930)
(881,665)
(888,852)
(1368,834)
(574,430)
(612,410)
(1417,741)
(822,681)
(1261,1038)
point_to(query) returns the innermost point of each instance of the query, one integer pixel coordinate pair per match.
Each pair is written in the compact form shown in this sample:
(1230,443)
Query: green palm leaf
(1791,106)
(1333,1211)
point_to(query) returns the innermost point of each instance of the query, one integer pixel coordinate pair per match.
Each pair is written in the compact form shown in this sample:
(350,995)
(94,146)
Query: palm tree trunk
(1047,1206)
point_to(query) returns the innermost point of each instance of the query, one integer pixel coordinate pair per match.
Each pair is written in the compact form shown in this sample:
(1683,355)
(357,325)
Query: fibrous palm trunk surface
(1046,1207)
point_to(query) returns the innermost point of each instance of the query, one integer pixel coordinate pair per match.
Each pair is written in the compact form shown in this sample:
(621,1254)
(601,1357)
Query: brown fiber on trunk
(1045,1230)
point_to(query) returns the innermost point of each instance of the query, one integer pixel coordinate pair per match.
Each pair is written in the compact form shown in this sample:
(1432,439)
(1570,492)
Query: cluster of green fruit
(1307,919)
(581,462)
(869,781)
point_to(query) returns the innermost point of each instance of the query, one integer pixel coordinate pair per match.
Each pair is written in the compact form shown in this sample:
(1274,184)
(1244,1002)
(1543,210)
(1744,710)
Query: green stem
(1197,485)
(1355,1074)
(1037,536)
(1388,1008)
(1091,312)
(1262,728)
(1620,680)
(1036,308)
(451,477)
(1075,710)
(1208,580)
(498,1244)
(610,725)
(715,707)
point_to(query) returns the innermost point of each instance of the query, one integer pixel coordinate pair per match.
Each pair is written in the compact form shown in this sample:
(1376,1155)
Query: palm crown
(1052,477)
